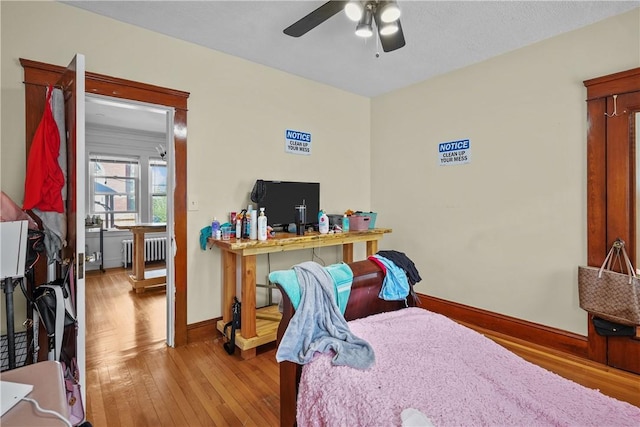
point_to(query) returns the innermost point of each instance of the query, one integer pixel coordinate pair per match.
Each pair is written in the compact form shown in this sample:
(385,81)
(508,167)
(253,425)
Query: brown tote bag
(608,294)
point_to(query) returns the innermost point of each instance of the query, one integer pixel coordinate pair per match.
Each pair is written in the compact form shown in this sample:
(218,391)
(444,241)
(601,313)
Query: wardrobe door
(613,107)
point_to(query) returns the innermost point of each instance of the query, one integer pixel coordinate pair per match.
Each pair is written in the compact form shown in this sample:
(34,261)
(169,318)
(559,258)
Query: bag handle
(70,303)
(632,271)
(59,320)
(618,247)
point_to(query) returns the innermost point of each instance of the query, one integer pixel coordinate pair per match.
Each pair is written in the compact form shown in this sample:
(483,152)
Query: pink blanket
(453,375)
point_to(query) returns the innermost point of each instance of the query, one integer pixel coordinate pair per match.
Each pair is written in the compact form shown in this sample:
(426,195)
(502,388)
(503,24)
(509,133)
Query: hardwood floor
(610,381)
(134,379)
(121,323)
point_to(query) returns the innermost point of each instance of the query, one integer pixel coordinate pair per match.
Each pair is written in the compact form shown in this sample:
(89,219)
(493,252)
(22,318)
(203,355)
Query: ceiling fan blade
(315,18)
(393,41)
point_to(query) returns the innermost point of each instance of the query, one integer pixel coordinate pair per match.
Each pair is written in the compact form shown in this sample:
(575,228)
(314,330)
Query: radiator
(155,249)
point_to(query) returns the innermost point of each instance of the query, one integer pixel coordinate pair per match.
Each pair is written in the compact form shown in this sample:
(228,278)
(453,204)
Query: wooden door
(611,192)
(72,84)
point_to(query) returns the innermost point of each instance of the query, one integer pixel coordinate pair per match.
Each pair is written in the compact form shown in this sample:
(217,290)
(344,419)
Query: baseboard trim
(535,333)
(202,331)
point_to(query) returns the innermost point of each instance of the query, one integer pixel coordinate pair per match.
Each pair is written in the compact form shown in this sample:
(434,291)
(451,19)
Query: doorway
(38,75)
(135,137)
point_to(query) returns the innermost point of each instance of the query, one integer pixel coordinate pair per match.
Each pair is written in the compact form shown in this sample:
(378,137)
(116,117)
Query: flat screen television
(281,197)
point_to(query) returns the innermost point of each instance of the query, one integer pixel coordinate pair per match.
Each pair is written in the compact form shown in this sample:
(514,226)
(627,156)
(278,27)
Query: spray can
(247,223)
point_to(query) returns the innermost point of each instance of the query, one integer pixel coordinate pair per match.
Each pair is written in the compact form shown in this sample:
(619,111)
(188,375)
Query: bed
(457,377)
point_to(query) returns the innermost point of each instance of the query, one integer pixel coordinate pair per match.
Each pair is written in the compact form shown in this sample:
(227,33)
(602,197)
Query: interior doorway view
(129,175)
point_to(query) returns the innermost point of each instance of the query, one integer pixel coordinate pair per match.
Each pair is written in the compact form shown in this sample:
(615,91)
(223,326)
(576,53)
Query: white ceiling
(441,36)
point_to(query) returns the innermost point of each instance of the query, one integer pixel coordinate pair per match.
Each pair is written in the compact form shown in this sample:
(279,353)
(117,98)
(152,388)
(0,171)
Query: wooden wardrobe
(613,104)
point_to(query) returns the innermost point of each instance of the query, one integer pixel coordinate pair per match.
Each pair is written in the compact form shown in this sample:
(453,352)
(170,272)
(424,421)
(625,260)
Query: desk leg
(372,247)
(347,252)
(138,255)
(7,286)
(228,284)
(248,326)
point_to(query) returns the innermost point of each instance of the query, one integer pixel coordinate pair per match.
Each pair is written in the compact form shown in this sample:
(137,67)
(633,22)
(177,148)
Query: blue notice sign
(297,142)
(454,152)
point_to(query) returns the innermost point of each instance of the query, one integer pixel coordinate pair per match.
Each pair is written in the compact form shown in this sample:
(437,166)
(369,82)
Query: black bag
(610,329)
(46,304)
(235,324)
(55,307)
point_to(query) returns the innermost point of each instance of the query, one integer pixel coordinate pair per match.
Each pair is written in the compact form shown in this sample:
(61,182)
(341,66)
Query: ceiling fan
(386,15)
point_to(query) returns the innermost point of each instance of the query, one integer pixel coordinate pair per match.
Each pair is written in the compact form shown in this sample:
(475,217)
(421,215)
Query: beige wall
(238,112)
(507,231)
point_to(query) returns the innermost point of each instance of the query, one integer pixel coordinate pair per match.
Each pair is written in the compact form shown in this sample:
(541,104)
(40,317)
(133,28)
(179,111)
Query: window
(158,190)
(114,183)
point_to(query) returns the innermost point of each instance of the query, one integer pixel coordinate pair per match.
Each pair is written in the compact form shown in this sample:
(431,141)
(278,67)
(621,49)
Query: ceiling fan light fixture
(364,27)
(389,28)
(364,30)
(391,37)
(354,10)
(389,11)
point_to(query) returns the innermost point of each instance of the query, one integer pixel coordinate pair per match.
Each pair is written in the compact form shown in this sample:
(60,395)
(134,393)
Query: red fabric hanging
(44,179)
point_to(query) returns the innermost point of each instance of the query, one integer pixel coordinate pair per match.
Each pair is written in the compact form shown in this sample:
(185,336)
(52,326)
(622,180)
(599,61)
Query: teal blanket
(340,273)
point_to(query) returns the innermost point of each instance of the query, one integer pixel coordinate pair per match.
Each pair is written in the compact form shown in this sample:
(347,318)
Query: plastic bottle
(345,223)
(323,223)
(247,223)
(215,229)
(253,230)
(238,227)
(262,225)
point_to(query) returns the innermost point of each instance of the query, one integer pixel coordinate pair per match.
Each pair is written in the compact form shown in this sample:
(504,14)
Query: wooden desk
(139,279)
(263,330)
(48,389)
